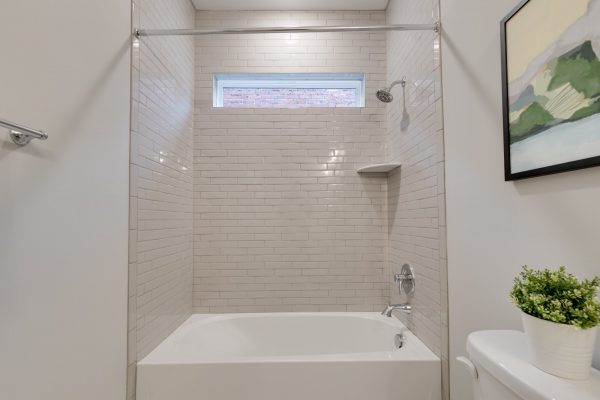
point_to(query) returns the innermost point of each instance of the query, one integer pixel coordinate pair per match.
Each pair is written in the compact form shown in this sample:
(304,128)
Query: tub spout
(405,308)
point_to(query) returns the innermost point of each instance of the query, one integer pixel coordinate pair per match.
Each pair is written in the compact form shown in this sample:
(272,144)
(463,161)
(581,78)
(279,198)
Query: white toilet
(498,361)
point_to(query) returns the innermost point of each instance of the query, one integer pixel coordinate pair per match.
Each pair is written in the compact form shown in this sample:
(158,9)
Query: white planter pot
(559,349)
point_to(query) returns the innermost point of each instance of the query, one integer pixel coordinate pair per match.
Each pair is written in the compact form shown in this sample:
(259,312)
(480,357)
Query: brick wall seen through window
(288,90)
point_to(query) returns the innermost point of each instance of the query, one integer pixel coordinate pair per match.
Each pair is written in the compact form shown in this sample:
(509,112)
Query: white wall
(494,227)
(63,202)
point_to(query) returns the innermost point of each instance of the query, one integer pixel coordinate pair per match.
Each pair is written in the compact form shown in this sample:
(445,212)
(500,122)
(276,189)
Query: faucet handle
(406,280)
(399,278)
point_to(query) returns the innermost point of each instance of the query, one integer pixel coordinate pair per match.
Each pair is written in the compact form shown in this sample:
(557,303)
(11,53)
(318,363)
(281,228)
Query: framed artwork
(551,87)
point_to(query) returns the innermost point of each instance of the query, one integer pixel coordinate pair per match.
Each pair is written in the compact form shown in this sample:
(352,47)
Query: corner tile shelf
(378,168)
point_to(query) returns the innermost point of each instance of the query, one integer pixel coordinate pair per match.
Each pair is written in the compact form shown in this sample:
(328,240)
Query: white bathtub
(295,356)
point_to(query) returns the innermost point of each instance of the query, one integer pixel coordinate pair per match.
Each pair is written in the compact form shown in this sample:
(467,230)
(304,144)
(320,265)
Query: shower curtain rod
(297,29)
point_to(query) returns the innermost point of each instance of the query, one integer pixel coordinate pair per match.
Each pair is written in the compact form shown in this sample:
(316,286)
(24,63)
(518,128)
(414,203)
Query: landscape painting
(551,71)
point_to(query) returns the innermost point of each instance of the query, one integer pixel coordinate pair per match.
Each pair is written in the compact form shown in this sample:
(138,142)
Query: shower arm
(396,83)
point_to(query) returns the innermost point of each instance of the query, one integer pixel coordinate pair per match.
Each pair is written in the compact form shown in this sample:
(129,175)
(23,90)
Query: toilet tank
(486,387)
(502,371)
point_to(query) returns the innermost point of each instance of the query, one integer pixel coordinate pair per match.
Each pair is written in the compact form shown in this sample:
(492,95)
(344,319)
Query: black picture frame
(554,169)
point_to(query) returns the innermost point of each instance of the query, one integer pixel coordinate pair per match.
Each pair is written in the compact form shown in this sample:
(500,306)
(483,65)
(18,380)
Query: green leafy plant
(557,296)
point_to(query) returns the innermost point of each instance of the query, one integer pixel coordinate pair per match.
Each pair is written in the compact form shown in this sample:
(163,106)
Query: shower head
(385,95)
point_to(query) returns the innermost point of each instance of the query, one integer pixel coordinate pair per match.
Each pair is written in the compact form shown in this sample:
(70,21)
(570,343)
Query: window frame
(333,80)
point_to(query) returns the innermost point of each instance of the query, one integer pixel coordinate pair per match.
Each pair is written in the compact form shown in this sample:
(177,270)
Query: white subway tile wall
(416,196)
(282,221)
(160,278)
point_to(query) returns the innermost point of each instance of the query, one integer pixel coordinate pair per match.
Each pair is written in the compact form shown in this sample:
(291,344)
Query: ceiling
(299,5)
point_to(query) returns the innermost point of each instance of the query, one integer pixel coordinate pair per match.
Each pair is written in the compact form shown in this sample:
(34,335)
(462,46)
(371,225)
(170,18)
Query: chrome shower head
(385,95)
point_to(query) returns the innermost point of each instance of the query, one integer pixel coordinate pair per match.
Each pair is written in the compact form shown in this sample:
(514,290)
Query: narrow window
(288,90)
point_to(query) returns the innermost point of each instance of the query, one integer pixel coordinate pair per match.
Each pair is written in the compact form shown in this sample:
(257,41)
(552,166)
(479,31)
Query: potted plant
(560,315)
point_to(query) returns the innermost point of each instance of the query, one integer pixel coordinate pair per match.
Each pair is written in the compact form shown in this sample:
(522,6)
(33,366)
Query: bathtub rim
(419,352)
